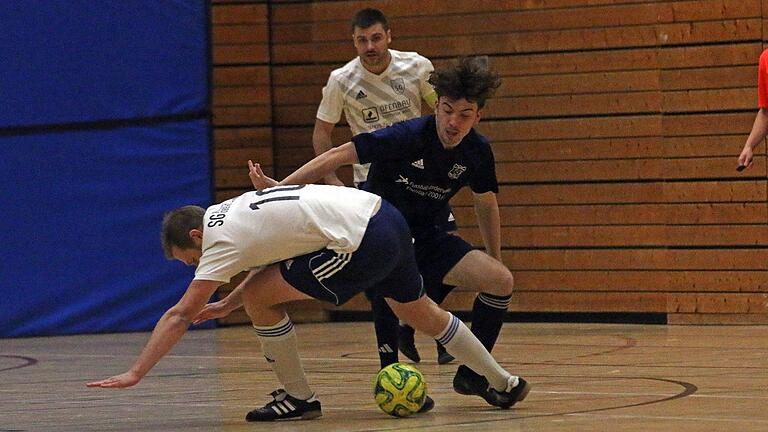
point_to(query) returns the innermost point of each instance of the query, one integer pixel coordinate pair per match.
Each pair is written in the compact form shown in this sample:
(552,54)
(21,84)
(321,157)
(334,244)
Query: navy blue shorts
(445,220)
(437,252)
(384,263)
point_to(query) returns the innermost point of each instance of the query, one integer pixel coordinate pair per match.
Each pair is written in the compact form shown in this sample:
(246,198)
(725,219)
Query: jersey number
(255,205)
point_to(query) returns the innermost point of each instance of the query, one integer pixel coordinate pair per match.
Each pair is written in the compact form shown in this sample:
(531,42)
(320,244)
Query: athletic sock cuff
(282,328)
(449,332)
(494,301)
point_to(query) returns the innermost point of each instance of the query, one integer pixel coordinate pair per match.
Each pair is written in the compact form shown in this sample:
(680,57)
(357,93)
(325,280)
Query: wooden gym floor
(586,377)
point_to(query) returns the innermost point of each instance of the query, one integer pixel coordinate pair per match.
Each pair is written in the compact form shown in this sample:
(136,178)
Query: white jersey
(371,101)
(261,228)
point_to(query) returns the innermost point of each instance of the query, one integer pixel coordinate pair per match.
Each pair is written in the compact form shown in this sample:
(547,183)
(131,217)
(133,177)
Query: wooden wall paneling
(626,193)
(243,137)
(623,214)
(713,281)
(622,235)
(242,100)
(716,319)
(636,259)
(524,149)
(615,134)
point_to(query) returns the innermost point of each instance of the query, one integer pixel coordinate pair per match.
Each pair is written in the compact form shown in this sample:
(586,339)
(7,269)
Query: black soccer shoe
(406,345)
(286,407)
(510,396)
(427,406)
(442,355)
(467,382)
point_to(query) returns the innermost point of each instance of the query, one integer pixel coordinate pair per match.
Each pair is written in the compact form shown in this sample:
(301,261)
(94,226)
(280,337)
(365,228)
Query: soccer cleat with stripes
(286,407)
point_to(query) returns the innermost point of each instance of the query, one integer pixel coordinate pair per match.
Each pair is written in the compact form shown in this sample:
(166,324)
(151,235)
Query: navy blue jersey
(411,169)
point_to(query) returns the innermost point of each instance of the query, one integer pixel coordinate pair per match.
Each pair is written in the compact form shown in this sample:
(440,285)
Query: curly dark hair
(176,226)
(469,78)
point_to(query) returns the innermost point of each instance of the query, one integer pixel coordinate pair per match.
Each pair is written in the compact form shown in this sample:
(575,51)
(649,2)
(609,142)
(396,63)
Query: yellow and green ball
(400,390)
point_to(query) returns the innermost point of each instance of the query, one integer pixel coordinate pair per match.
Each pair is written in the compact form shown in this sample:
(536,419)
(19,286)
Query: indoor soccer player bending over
(327,243)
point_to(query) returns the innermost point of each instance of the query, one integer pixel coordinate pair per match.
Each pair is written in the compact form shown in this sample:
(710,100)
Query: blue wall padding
(70,61)
(82,214)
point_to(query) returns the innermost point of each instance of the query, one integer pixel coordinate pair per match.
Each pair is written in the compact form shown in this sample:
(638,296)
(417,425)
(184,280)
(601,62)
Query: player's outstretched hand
(258,178)
(211,311)
(745,158)
(123,380)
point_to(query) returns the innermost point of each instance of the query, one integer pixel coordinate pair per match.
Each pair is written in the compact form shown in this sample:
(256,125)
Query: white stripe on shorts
(332,266)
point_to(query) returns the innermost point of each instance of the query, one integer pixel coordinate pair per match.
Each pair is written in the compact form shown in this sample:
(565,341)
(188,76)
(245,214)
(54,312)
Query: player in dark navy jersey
(410,167)
(418,165)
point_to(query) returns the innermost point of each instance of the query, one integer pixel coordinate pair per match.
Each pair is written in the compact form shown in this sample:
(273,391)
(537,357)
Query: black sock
(488,314)
(387,326)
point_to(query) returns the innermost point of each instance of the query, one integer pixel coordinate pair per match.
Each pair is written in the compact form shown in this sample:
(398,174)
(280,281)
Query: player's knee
(506,283)
(503,283)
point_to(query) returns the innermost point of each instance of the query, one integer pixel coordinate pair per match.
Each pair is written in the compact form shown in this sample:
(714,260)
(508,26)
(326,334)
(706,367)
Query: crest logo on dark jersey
(398,85)
(371,115)
(361,95)
(457,171)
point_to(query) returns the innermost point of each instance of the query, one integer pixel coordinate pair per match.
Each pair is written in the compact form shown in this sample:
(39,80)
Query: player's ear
(389,37)
(196,234)
(477,117)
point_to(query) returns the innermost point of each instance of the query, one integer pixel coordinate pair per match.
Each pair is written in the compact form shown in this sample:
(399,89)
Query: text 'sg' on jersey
(261,228)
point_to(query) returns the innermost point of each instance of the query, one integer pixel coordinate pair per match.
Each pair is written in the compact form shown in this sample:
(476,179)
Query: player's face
(190,257)
(371,44)
(455,118)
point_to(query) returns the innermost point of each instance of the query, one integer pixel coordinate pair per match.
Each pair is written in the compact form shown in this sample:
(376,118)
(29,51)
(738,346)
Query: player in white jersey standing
(327,243)
(376,89)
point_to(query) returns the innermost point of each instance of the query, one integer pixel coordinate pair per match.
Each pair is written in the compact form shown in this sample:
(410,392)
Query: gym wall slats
(616,133)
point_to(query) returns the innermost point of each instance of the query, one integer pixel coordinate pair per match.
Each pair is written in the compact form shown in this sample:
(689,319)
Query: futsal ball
(400,390)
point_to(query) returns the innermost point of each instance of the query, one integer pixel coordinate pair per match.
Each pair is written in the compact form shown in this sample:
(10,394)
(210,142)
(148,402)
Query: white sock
(462,344)
(278,342)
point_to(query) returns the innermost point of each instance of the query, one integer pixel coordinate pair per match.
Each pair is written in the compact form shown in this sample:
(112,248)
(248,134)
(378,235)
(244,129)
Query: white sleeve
(219,263)
(425,70)
(333,102)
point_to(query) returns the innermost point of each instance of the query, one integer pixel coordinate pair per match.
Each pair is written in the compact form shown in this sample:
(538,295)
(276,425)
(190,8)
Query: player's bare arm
(227,305)
(310,172)
(322,142)
(168,331)
(756,136)
(489,221)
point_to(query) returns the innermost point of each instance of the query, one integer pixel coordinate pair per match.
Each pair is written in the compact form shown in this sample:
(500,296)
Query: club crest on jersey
(457,171)
(418,164)
(398,85)
(361,95)
(371,115)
